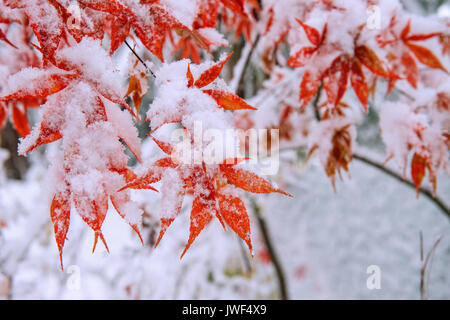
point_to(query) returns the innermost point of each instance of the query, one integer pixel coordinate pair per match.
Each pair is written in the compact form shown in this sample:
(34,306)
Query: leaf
(60,215)
(120,29)
(211,74)
(190,77)
(153,175)
(312,33)
(118,202)
(165,221)
(235,215)
(411,69)
(3,114)
(20,121)
(46,135)
(301,58)
(93,213)
(368,57)
(228,101)
(358,81)
(426,57)
(336,86)
(249,181)
(42,87)
(200,217)
(234,5)
(153,36)
(308,88)
(167,148)
(422,37)
(418,171)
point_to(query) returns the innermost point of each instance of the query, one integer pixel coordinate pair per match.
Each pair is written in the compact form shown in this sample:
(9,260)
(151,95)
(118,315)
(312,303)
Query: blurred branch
(271,250)
(246,65)
(245,259)
(427,193)
(426,266)
(424,191)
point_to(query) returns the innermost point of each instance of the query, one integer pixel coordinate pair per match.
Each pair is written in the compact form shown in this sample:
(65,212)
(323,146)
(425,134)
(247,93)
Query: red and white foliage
(61,56)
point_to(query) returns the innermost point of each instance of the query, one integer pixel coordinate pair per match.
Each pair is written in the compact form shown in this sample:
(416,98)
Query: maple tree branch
(424,191)
(247,62)
(140,59)
(271,250)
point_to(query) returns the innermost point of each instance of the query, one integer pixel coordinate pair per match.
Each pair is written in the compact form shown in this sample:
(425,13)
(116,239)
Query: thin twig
(140,59)
(426,267)
(247,62)
(271,251)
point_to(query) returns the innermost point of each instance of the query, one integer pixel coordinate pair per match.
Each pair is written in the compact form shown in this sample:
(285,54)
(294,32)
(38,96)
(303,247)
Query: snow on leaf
(228,101)
(211,74)
(249,181)
(235,215)
(60,215)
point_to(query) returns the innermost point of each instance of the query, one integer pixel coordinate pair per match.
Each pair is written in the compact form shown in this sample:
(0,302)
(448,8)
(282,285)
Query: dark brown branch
(271,251)
(140,59)
(427,193)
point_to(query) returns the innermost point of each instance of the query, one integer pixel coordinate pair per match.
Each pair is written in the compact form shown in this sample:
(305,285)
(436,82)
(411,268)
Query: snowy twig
(140,59)
(271,250)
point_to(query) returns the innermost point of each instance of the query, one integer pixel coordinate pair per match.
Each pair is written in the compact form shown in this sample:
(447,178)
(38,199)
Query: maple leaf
(404,65)
(340,155)
(212,191)
(335,78)
(225,100)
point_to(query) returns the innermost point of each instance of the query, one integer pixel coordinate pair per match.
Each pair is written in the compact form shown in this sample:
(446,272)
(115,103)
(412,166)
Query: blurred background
(319,245)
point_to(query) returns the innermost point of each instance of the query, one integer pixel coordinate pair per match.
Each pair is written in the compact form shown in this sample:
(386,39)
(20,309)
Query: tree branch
(140,59)
(246,64)
(426,192)
(271,251)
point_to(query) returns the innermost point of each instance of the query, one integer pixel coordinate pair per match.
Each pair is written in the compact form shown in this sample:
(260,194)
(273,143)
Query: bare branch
(271,250)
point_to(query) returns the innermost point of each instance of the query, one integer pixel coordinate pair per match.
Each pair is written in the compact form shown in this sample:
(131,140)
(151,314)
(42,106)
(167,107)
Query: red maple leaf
(335,77)
(211,191)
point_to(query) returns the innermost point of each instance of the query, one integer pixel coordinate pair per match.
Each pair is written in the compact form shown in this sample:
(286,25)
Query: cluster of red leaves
(111,17)
(233,15)
(404,66)
(335,78)
(341,153)
(214,196)
(93,212)
(210,189)
(25,58)
(401,51)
